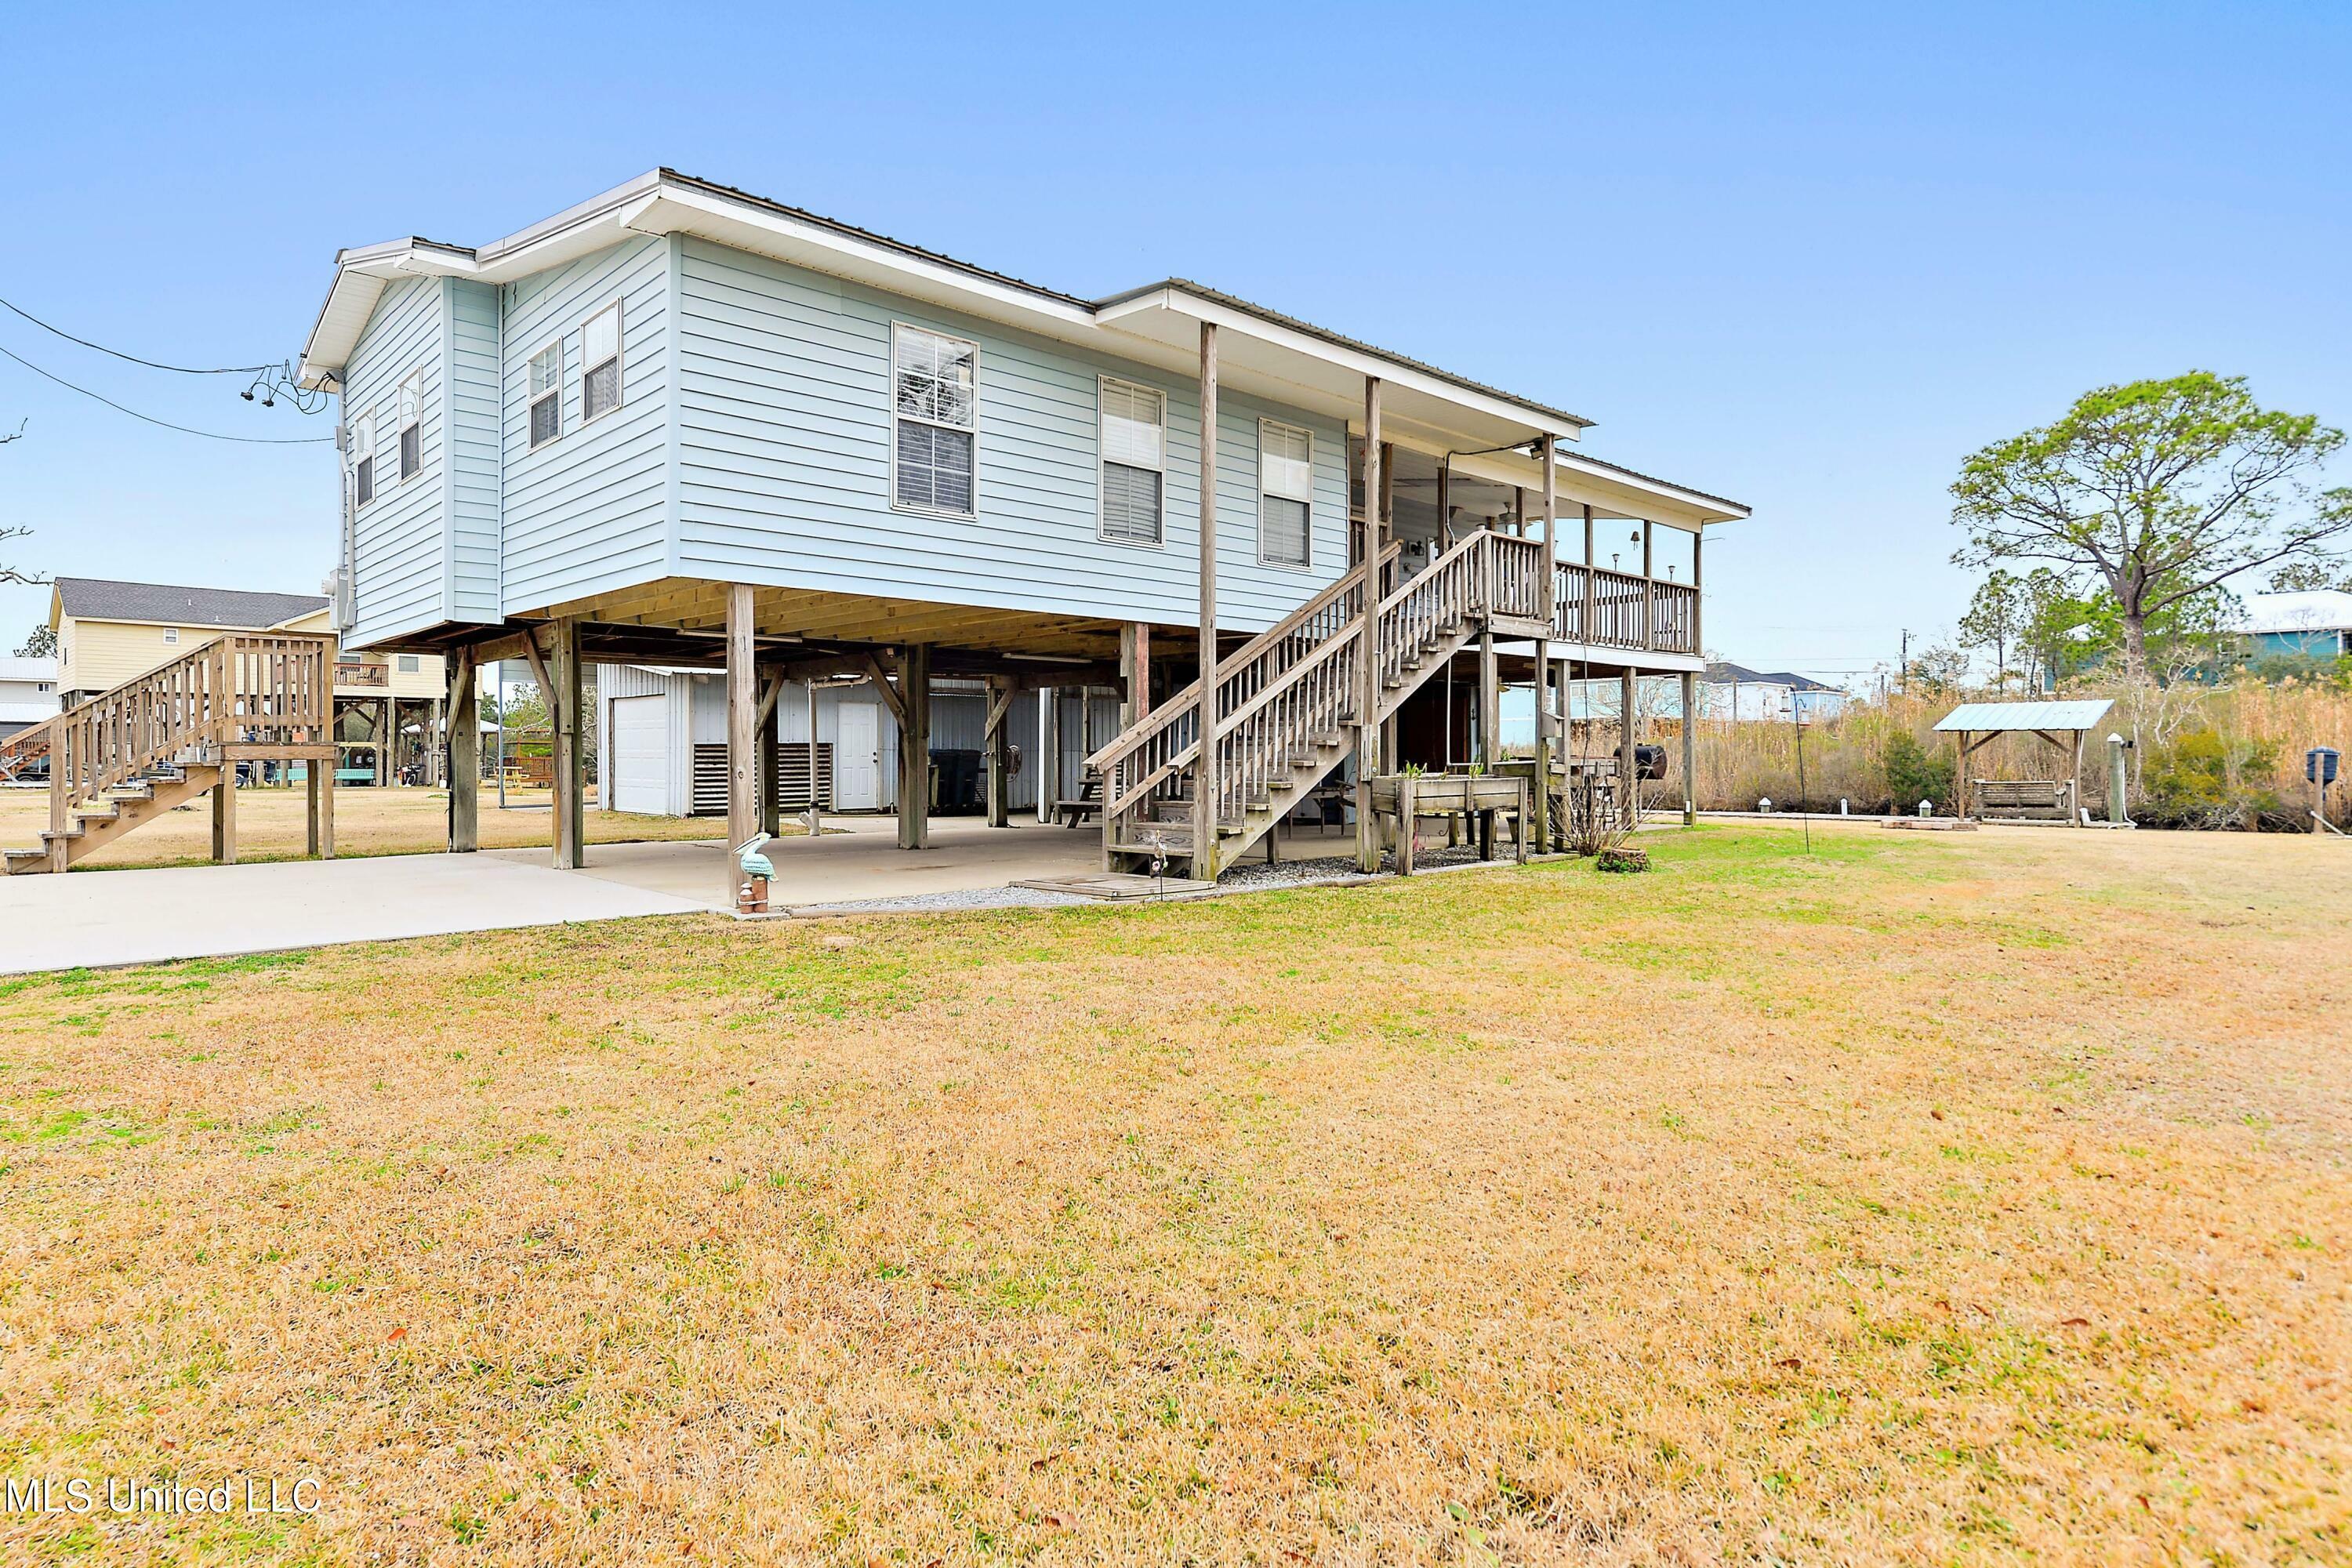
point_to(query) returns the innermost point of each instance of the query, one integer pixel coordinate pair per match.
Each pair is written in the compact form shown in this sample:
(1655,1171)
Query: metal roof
(1981,716)
(98,599)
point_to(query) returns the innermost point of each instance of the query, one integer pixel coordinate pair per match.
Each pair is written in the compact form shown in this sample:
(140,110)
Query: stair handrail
(1179,703)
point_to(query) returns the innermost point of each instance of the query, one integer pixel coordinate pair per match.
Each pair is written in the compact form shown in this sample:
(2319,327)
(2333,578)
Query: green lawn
(1963,1198)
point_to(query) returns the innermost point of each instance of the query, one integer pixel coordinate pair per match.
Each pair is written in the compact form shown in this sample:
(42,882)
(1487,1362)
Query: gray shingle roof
(97,599)
(1722,671)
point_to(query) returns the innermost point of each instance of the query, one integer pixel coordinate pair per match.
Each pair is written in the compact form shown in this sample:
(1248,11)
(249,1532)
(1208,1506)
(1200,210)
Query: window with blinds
(1285,504)
(547,393)
(1134,462)
(935,409)
(600,361)
(412,425)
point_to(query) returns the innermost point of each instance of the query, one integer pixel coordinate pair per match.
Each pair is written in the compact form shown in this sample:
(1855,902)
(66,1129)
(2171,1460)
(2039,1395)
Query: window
(1286,482)
(170,634)
(411,420)
(1134,462)
(935,412)
(547,393)
(600,359)
(408,665)
(363,461)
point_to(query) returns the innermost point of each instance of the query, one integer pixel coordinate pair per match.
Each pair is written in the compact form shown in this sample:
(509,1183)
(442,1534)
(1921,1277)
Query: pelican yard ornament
(752,898)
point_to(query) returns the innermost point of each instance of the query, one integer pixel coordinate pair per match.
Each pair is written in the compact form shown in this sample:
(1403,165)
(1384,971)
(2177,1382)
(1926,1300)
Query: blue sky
(1806,255)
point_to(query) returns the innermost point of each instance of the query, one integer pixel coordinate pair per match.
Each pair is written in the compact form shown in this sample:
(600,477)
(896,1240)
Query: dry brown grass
(270,826)
(1959,1199)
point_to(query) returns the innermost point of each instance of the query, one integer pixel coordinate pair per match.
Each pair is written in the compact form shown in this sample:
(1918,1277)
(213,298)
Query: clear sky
(1806,255)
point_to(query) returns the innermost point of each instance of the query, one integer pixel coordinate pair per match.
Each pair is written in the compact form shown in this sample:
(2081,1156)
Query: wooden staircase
(1290,700)
(159,742)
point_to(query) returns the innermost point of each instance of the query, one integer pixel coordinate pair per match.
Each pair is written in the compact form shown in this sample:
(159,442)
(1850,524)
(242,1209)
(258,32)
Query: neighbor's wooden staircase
(1288,700)
(127,757)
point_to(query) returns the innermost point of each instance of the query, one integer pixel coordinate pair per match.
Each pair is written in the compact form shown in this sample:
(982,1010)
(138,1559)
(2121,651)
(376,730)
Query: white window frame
(890,390)
(411,392)
(620,362)
(1264,424)
(408,664)
(532,401)
(171,636)
(1103,383)
(363,453)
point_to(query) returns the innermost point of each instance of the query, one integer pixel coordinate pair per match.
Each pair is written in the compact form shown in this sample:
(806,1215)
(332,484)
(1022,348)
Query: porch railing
(1601,608)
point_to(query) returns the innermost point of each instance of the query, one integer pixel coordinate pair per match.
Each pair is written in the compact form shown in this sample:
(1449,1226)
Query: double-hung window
(363,460)
(1286,502)
(411,425)
(547,393)
(600,363)
(935,409)
(1134,462)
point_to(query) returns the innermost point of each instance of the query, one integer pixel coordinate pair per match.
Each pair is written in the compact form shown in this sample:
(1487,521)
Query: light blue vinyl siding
(399,537)
(473,468)
(784,432)
(588,512)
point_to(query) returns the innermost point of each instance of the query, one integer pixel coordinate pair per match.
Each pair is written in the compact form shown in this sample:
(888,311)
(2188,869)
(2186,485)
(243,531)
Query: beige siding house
(388,707)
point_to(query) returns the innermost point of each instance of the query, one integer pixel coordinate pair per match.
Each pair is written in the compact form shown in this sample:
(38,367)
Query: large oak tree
(2161,489)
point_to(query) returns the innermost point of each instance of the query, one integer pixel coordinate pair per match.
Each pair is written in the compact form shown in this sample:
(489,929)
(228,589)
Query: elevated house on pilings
(683,427)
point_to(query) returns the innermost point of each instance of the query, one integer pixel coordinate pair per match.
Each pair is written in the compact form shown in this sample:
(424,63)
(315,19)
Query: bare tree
(16,574)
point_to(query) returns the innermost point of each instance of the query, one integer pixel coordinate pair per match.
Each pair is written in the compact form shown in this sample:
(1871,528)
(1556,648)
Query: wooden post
(1049,756)
(465,754)
(1547,727)
(568,771)
(1649,590)
(765,722)
(742,735)
(1205,782)
(1490,702)
(1406,805)
(816,792)
(1592,586)
(311,808)
(1960,777)
(1690,748)
(993,742)
(224,815)
(1698,598)
(1626,699)
(1368,693)
(915,746)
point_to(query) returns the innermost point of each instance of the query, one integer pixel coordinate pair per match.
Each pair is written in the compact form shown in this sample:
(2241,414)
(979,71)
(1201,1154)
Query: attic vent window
(1286,460)
(412,419)
(1134,462)
(935,403)
(600,353)
(547,393)
(170,634)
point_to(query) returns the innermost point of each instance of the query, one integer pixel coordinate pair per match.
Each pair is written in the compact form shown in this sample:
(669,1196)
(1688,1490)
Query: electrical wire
(184,429)
(134,358)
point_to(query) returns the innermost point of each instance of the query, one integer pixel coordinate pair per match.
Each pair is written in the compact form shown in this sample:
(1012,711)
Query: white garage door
(641,754)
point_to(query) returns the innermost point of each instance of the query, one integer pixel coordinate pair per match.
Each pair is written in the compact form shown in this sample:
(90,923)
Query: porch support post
(772,771)
(817,786)
(1690,748)
(1049,752)
(1625,721)
(915,746)
(1547,582)
(1590,587)
(1000,771)
(465,754)
(1135,671)
(569,781)
(1490,702)
(742,735)
(224,815)
(1368,696)
(1698,596)
(1205,771)
(1649,589)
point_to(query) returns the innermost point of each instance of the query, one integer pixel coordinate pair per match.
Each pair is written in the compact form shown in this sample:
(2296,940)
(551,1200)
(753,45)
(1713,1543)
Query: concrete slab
(92,918)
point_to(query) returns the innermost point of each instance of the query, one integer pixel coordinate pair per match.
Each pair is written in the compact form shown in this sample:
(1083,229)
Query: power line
(134,358)
(182,429)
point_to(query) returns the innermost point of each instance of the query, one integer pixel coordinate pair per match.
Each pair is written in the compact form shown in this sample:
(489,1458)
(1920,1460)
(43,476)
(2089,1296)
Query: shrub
(1913,773)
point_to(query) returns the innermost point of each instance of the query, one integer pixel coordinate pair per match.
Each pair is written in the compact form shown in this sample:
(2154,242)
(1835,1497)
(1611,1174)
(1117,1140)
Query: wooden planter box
(1406,798)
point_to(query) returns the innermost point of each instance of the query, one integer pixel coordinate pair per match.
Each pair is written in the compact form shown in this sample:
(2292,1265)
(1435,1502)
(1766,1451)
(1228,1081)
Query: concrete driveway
(91,918)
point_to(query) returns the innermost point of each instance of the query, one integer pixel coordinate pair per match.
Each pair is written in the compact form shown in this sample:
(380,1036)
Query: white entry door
(857,758)
(640,748)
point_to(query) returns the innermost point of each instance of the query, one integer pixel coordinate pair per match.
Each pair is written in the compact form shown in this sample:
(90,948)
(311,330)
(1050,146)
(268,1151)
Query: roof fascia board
(1612,495)
(1182,302)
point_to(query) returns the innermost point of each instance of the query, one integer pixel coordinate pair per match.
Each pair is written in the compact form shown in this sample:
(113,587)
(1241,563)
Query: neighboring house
(2316,624)
(681,428)
(109,632)
(1734,691)
(28,692)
